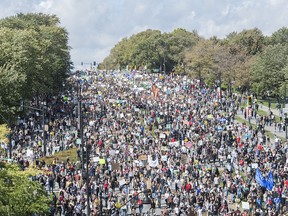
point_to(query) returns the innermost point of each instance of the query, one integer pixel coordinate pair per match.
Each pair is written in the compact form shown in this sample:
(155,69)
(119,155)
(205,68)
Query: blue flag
(270,181)
(260,178)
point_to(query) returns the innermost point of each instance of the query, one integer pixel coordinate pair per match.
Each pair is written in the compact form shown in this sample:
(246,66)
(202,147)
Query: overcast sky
(95,26)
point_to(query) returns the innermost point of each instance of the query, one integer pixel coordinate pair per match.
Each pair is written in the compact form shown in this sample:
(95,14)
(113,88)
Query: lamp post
(285,114)
(284,101)
(269,104)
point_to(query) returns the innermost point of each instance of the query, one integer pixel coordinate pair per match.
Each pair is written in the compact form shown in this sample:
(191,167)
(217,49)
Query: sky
(95,26)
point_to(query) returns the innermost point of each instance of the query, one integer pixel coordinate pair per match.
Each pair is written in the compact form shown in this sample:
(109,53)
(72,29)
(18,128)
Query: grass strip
(62,156)
(254,126)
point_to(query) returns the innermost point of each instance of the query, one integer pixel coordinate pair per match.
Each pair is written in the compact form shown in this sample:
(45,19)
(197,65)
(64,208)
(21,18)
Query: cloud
(95,26)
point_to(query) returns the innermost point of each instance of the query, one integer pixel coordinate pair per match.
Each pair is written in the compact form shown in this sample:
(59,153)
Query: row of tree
(34,58)
(247,60)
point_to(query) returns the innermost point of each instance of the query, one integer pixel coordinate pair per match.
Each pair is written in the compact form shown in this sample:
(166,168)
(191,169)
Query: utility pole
(44,134)
(85,172)
(80,127)
(87,179)
(285,119)
(284,101)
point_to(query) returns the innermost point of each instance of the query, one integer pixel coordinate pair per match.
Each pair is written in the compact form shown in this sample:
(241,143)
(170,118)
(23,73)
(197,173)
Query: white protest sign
(174,144)
(245,206)
(96,159)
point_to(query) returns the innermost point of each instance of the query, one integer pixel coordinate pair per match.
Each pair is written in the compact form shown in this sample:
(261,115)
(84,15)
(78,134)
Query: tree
(19,194)
(37,47)
(175,45)
(269,70)
(279,37)
(11,83)
(250,42)
(199,59)
(153,49)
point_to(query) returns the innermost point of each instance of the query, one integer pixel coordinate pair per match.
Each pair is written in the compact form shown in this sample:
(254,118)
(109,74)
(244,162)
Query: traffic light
(82,63)
(94,63)
(249,101)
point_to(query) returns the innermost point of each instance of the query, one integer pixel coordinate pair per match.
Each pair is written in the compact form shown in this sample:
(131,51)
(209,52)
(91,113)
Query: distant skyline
(95,26)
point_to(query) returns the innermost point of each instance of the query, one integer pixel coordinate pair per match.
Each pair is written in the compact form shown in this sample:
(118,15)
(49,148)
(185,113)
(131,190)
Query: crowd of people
(167,142)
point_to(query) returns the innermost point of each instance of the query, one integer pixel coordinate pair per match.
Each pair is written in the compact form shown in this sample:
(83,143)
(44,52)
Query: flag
(270,181)
(260,178)
(155,90)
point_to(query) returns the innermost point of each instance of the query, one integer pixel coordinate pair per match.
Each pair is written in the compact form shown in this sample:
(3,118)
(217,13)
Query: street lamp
(268,94)
(284,101)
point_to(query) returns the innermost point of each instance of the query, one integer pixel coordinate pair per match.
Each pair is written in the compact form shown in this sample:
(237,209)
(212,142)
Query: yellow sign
(209,116)
(118,205)
(102,161)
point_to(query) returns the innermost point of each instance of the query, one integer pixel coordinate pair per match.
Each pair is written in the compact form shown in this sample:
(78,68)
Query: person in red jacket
(106,187)
(188,187)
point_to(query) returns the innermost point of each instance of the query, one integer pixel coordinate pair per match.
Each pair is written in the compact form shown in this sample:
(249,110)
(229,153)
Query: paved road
(281,134)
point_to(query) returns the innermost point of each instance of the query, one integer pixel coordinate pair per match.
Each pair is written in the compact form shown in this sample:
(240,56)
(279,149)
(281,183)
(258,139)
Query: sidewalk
(271,128)
(266,109)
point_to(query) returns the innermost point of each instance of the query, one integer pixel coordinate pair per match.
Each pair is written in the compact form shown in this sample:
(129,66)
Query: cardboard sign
(183,159)
(142,157)
(115,166)
(163,148)
(149,185)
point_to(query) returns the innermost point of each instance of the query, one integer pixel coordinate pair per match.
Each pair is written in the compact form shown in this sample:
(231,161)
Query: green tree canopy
(269,70)
(152,49)
(19,194)
(35,48)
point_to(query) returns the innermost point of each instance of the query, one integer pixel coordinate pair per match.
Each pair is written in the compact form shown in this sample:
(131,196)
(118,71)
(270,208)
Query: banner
(270,181)
(260,178)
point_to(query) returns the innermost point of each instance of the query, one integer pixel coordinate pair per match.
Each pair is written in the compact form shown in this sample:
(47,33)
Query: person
(153,206)
(182,128)
(140,205)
